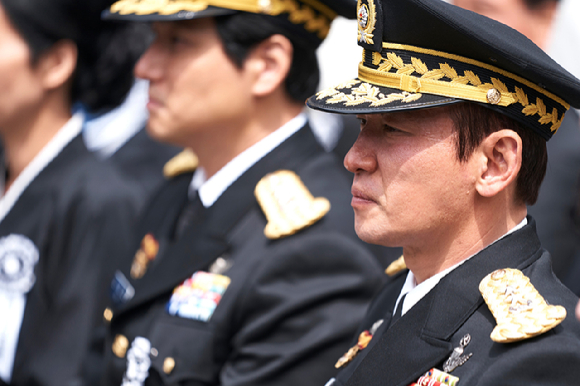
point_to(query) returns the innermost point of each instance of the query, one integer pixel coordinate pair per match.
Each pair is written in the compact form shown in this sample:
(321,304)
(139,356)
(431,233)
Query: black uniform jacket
(141,161)
(292,305)
(426,335)
(78,213)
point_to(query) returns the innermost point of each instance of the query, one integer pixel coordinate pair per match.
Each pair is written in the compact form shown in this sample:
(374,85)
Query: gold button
(168,365)
(108,314)
(120,346)
(494,96)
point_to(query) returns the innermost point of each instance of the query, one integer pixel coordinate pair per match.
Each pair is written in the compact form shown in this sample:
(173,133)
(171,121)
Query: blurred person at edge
(560,190)
(62,211)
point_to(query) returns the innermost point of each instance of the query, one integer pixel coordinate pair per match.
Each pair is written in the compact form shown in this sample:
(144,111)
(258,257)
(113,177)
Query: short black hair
(107,53)
(474,122)
(242,31)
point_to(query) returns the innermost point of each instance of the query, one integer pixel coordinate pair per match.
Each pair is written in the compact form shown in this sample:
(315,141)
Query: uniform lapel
(420,340)
(208,239)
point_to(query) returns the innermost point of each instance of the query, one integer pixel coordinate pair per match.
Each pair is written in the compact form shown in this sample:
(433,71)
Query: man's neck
(215,149)
(451,247)
(24,139)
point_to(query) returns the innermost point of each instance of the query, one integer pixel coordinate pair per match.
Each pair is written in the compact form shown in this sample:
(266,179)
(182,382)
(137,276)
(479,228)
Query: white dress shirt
(13,303)
(210,190)
(416,292)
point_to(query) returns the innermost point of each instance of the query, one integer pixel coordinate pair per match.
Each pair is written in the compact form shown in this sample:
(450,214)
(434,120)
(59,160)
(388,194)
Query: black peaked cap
(424,53)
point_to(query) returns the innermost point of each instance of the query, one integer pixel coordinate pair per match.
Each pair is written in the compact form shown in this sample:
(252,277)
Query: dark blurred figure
(119,136)
(559,193)
(63,213)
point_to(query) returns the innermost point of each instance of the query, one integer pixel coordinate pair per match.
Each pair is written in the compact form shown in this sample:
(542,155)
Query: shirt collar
(416,292)
(211,189)
(48,153)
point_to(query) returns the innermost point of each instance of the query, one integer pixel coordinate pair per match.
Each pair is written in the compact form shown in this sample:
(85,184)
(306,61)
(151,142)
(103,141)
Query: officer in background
(63,213)
(452,148)
(248,270)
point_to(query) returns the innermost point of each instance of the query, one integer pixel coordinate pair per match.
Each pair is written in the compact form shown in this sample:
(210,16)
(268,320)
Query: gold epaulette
(287,204)
(184,162)
(518,308)
(396,266)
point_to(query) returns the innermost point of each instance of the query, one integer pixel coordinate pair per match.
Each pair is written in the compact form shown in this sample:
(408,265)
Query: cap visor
(359,97)
(160,15)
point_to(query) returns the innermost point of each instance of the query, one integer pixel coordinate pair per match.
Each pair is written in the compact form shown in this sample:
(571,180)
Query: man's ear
(269,64)
(57,65)
(501,160)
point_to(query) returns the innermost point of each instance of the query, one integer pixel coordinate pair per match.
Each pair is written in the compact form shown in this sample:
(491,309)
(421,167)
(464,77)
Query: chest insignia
(363,341)
(144,256)
(198,297)
(138,362)
(457,358)
(18,257)
(518,308)
(184,162)
(287,204)
(396,266)
(436,377)
(121,289)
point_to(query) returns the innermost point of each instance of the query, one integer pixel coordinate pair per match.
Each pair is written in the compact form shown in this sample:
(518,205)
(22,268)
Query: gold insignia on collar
(519,309)
(367,18)
(287,204)
(145,255)
(396,266)
(184,162)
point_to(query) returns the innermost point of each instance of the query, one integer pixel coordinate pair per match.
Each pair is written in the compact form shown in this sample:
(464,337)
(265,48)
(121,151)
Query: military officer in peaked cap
(455,113)
(247,270)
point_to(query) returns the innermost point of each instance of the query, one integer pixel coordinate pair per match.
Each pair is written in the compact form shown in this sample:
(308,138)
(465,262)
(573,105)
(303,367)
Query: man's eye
(391,129)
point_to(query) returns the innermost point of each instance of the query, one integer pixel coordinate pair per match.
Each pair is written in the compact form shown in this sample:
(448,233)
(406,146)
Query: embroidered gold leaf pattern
(468,78)
(419,66)
(365,34)
(500,85)
(449,71)
(377,58)
(326,93)
(473,79)
(434,74)
(541,107)
(395,60)
(522,97)
(530,110)
(407,70)
(298,14)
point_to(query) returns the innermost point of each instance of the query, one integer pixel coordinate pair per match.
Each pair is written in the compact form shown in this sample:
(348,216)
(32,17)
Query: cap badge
(287,204)
(519,309)
(367,19)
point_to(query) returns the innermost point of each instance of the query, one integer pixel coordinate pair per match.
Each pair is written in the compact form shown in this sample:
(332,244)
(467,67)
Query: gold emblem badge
(184,162)
(396,266)
(363,341)
(518,308)
(145,255)
(367,19)
(287,204)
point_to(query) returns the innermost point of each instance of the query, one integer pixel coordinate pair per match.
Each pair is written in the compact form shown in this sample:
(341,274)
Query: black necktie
(191,214)
(398,311)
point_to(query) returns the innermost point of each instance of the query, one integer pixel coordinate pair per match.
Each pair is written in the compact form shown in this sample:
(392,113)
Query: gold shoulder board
(396,266)
(518,308)
(287,204)
(184,162)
